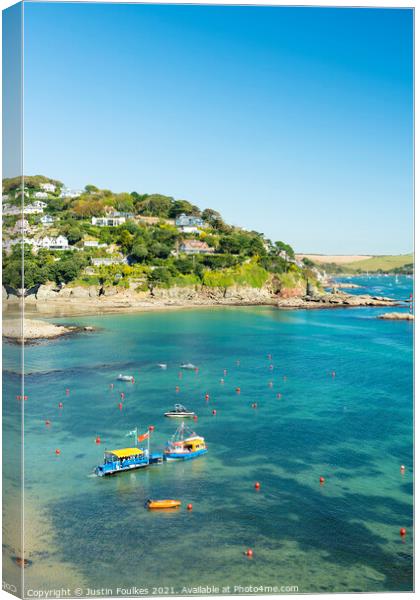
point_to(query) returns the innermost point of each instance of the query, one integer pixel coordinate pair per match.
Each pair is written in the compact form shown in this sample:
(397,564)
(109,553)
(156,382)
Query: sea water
(333,390)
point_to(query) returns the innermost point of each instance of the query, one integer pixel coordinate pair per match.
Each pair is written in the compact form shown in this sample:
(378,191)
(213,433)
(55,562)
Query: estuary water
(354,429)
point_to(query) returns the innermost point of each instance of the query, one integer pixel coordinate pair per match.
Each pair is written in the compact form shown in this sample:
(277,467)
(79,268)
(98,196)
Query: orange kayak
(153,504)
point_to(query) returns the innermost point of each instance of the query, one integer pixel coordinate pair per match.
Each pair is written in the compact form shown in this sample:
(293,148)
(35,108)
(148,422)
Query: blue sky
(296,122)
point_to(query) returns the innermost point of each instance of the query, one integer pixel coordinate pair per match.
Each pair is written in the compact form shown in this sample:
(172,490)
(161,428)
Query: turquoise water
(354,429)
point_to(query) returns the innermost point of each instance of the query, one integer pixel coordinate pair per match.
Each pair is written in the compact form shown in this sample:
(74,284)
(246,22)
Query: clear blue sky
(296,122)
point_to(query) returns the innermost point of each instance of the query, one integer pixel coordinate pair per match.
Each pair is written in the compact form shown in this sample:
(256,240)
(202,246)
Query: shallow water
(354,429)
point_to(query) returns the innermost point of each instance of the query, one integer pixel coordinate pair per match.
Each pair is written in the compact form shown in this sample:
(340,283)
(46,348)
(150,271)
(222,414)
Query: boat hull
(163,504)
(177,456)
(180,415)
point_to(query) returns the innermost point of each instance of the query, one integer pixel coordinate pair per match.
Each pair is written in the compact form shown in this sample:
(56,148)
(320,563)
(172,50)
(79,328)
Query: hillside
(139,241)
(360,263)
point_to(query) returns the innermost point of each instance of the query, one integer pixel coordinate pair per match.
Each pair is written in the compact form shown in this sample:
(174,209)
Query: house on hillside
(47,220)
(188,223)
(93,244)
(48,187)
(53,243)
(21,226)
(68,193)
(106,262)
(32,209)
(108,221)
(195,247)
(41,195)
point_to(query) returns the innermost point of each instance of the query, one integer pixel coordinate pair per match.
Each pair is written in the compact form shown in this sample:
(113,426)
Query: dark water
(354,429)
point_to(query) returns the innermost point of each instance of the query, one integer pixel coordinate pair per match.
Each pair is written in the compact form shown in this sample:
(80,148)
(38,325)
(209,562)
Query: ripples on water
(355,429)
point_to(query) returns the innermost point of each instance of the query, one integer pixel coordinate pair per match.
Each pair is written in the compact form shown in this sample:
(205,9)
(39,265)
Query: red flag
(140,438)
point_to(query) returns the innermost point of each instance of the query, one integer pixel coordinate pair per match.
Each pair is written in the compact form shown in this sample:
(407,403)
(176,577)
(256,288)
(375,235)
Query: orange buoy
(60,405)
(321,480)
(189,506)
(257,485)
(120,405)
(403,531)
(151,427)
(98,440)
(238,390)
(249,553)
(58,451)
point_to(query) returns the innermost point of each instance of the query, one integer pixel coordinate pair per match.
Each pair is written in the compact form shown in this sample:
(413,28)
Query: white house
(48,187)
(98,262)
(68,193)
(31,209)
(53,243)
(47,220)
(11,210)
(108,221)
(41,195)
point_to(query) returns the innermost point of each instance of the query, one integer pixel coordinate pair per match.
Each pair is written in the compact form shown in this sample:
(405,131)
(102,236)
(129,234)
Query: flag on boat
(130,433)
(143,437)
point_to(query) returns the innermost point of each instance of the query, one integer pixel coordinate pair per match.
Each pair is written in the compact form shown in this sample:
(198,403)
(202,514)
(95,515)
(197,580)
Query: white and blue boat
(185,444)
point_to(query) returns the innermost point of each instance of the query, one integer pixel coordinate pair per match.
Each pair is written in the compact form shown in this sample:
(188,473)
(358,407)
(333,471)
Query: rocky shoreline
(35,330)
(91,300)
(397,316)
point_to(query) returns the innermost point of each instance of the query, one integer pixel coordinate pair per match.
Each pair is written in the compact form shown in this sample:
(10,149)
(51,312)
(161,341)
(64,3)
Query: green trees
(183,206)
(154,205)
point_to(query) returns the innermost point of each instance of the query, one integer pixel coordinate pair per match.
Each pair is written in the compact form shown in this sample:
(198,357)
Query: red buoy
(254,405)
(321,480)
(60,405)
(58,451)
(47,422)
(403,531)
(333,374)
(257,485)
(238,390)
(189,506)
(195,418)
(224,371)
(402,468)
(271,367)
(67,391)
(213,412)
(196,370)
(177,389)
(133,380)
(98,440)
(151,427)
(120,405)
(206,396)
(249,553)
(278,395)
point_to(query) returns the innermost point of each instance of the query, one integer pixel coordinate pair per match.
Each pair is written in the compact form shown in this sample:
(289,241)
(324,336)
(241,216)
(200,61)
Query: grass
(380,263)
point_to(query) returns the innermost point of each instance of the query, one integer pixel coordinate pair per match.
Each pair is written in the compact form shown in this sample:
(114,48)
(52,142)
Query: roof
(195,244)
(125,452)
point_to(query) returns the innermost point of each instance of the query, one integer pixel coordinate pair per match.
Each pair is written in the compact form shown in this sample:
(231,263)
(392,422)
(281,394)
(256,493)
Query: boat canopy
(125,452)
